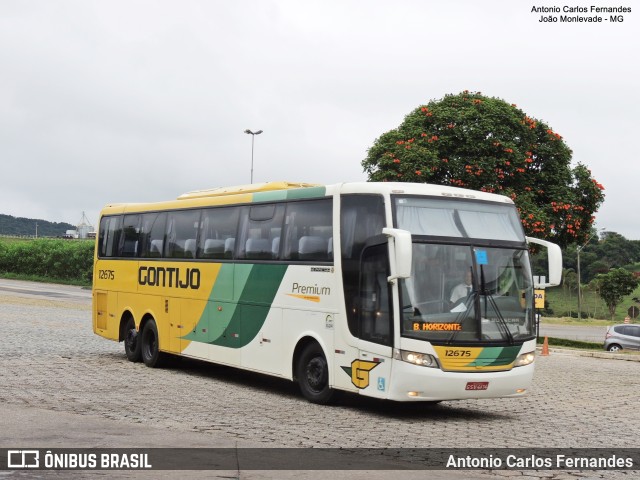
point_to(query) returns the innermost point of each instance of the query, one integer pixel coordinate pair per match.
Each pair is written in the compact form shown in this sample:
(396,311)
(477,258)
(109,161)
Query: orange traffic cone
(545,347)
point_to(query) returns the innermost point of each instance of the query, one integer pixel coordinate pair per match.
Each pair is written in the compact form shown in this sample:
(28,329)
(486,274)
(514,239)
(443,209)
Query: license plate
(477,386)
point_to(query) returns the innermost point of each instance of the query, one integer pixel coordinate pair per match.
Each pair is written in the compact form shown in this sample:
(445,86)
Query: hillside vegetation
(563,303)
(27,226)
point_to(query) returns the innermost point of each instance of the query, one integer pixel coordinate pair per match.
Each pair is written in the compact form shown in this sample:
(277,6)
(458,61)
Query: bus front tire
(312,374)
(151,354)
(132,343)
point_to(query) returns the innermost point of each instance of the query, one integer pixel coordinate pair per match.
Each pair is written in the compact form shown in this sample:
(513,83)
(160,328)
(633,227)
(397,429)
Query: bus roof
(351,187)
(273,191)
(428,189)
(251,188)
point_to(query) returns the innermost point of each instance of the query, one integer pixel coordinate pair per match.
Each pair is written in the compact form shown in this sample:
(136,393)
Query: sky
(140,101)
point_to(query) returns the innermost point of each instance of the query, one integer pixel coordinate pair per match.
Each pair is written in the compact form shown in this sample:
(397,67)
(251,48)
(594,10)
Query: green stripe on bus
(495,356)
(293,194)
(235,323)
(311,192)
(507,355)
(271,196)
(254,304)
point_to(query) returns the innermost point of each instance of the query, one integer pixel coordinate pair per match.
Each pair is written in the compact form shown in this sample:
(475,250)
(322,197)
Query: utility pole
(578,250)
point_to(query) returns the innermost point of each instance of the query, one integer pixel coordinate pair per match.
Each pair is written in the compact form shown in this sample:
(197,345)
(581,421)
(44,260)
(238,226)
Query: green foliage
(62,260)
(27,226)
(600,255)
(473,141)
(615,285)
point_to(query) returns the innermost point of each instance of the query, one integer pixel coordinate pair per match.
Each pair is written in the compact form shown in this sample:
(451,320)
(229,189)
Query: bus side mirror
(554,258)
(401,253)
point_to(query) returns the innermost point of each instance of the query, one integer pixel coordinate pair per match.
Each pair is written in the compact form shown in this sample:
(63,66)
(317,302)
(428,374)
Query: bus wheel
(313,375)
(132,341)
(150,346)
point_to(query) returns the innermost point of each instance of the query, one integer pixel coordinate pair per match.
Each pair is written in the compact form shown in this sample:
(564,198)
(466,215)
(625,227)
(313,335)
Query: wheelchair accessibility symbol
(381,384)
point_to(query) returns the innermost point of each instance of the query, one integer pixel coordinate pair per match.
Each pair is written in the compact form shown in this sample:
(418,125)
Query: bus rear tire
(150,346)
(132,343)
(312,373)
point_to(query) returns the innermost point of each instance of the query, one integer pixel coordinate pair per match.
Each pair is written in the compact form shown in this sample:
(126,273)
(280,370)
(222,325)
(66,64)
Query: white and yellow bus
(400,291)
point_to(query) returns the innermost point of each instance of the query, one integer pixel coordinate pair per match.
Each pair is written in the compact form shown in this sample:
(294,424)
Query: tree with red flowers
(481,143)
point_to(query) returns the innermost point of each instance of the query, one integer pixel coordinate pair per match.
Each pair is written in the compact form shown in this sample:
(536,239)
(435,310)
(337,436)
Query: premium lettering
(310,289)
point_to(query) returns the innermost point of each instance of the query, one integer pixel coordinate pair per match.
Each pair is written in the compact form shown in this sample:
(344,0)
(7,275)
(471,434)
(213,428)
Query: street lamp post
(578,250)
(253,137)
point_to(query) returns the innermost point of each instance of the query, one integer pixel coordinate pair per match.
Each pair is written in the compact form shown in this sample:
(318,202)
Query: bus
(399,291)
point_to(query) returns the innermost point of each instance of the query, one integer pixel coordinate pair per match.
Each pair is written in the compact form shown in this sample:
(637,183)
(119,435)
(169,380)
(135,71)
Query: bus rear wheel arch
(312,374)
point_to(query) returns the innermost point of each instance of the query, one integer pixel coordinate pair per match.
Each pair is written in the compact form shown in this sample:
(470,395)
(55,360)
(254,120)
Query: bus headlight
(422,359)
(525,359)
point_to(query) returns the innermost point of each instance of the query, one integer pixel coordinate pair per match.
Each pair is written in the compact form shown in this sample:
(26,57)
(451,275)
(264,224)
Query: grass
(593,322)
(562,342)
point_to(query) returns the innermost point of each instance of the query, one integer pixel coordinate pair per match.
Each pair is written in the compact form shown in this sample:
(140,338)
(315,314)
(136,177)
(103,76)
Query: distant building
(85,228)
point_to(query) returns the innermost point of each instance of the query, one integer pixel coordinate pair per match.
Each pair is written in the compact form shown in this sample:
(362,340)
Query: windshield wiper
(501,321)
(462,315)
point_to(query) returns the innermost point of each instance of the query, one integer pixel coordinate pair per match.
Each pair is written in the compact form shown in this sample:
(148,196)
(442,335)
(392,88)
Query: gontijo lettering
(169,277)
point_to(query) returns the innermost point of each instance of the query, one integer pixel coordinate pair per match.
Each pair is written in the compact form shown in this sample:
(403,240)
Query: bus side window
(182,231)
(152,235)
(258,231)
(362,217)
(129,240)
(218,232)
(309,231)
(109,236)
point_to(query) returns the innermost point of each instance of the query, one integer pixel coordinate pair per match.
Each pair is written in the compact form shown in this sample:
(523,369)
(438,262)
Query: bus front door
(373,371)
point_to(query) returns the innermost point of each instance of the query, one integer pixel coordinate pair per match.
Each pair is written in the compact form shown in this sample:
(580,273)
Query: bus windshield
(458,218)
(463,293)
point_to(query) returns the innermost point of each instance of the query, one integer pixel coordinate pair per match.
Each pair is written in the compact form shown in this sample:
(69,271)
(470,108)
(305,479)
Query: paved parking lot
(51,361)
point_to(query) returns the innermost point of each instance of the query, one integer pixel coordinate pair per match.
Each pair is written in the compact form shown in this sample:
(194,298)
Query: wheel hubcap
(316,369)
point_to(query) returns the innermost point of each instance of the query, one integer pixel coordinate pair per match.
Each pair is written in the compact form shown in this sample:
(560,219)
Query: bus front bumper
(417,383)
